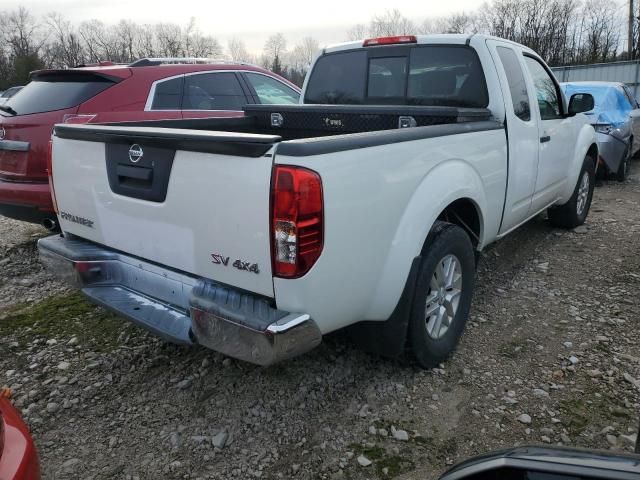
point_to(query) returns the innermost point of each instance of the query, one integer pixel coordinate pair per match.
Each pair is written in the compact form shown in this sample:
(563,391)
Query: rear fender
(450,181)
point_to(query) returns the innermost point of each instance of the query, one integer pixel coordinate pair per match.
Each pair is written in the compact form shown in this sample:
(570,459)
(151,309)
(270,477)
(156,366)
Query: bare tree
(602,35)
(96,40)
(309,48)
(145,42)
(206,46)
(65,47)
(357,32)
(238,51)
(460,22)
(392,22)
(127,34)
(275,49)
(195,44)
(22,32)
(275,46)
(433,25)
(168,39)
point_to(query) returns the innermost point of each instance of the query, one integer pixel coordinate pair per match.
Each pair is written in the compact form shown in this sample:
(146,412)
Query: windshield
(56,92)
(436,75)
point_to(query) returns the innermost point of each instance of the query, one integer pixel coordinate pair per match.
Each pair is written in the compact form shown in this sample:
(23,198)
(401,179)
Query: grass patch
(590,412)
(394,464)
(619,412)
(423,441)
(578,414)
(446,449)
(64,316)
(373,453)
(602,347)
(400,424)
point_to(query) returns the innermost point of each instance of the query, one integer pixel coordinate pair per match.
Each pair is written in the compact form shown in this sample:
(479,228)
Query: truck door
(522,133)
(557,135)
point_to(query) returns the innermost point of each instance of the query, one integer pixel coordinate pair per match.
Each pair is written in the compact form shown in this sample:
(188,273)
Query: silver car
(616,118)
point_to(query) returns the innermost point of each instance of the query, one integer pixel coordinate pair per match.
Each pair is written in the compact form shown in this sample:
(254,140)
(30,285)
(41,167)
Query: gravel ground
(550,356)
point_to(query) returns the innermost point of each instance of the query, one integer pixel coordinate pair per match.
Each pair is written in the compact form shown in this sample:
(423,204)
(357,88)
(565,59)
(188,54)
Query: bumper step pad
(163,321)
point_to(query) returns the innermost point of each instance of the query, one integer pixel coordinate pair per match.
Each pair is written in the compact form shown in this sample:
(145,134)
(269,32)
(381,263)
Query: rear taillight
(77,119)
(370,42)
(297,224)
(50,175)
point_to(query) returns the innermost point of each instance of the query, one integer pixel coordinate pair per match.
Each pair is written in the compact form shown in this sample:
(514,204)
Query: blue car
(616,118)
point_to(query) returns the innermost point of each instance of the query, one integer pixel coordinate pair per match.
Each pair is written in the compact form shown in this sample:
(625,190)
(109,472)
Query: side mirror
(541,463)
(581,102)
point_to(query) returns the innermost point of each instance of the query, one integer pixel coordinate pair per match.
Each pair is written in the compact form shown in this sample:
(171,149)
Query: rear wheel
(575,211)
(444,289)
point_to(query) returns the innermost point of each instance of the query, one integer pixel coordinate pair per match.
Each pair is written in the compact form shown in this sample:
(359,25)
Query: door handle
(545,139)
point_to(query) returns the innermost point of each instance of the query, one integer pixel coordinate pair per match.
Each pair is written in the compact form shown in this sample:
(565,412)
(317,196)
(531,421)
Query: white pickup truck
(363,207)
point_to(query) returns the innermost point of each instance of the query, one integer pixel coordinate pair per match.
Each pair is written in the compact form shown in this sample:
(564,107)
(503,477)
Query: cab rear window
(436,75)
(57,92)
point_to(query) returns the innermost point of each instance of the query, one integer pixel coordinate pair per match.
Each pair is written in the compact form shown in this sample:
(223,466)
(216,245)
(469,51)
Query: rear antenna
(637,450)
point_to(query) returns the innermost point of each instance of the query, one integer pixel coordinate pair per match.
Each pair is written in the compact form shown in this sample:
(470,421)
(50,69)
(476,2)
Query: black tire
(445,240)
(570,215)
(623,169)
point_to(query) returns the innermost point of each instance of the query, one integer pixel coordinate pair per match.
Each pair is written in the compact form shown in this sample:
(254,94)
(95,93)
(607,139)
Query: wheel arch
(433,199)
(465,213)
(593,153)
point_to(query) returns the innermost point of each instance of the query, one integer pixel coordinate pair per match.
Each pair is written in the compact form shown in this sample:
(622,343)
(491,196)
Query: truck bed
(291,122)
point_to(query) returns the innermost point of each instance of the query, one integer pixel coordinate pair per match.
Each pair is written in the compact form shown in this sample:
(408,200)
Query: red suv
(18,455)
(148,89)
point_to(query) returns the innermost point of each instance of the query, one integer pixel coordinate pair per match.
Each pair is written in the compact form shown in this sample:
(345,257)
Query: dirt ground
(550,356)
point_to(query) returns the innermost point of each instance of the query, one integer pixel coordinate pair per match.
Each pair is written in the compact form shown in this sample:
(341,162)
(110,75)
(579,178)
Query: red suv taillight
(50,175)
(297,225)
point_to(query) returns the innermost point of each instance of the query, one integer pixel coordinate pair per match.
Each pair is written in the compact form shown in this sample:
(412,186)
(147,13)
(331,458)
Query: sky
(251,20)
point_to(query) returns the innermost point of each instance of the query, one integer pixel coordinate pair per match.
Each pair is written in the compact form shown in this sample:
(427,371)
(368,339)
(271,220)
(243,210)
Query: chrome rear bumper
(178,307)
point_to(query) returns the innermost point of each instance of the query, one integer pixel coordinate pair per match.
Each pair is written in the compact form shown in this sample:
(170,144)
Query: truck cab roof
(444,38)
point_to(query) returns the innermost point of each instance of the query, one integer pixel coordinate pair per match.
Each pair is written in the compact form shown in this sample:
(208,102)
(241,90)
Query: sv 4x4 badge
(218,259)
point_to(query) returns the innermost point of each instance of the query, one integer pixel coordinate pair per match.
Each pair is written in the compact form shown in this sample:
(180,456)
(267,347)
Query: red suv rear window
(57,91)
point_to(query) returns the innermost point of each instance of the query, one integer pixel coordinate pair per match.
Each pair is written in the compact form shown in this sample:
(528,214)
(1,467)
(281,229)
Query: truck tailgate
(194,201)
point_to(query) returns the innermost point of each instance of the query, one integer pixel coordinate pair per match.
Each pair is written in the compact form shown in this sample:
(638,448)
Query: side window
(213,91)
(517,84)
(168,95)
(446,75)
(546,91)
(271,91)
(623,101)
(629,95)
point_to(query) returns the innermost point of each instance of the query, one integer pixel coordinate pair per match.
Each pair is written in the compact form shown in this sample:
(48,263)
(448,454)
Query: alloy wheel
(443,297)
(583,194)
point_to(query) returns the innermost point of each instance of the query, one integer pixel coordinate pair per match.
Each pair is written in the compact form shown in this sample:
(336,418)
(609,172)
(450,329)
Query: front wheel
(623,169)
(444,289)
(575,211)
